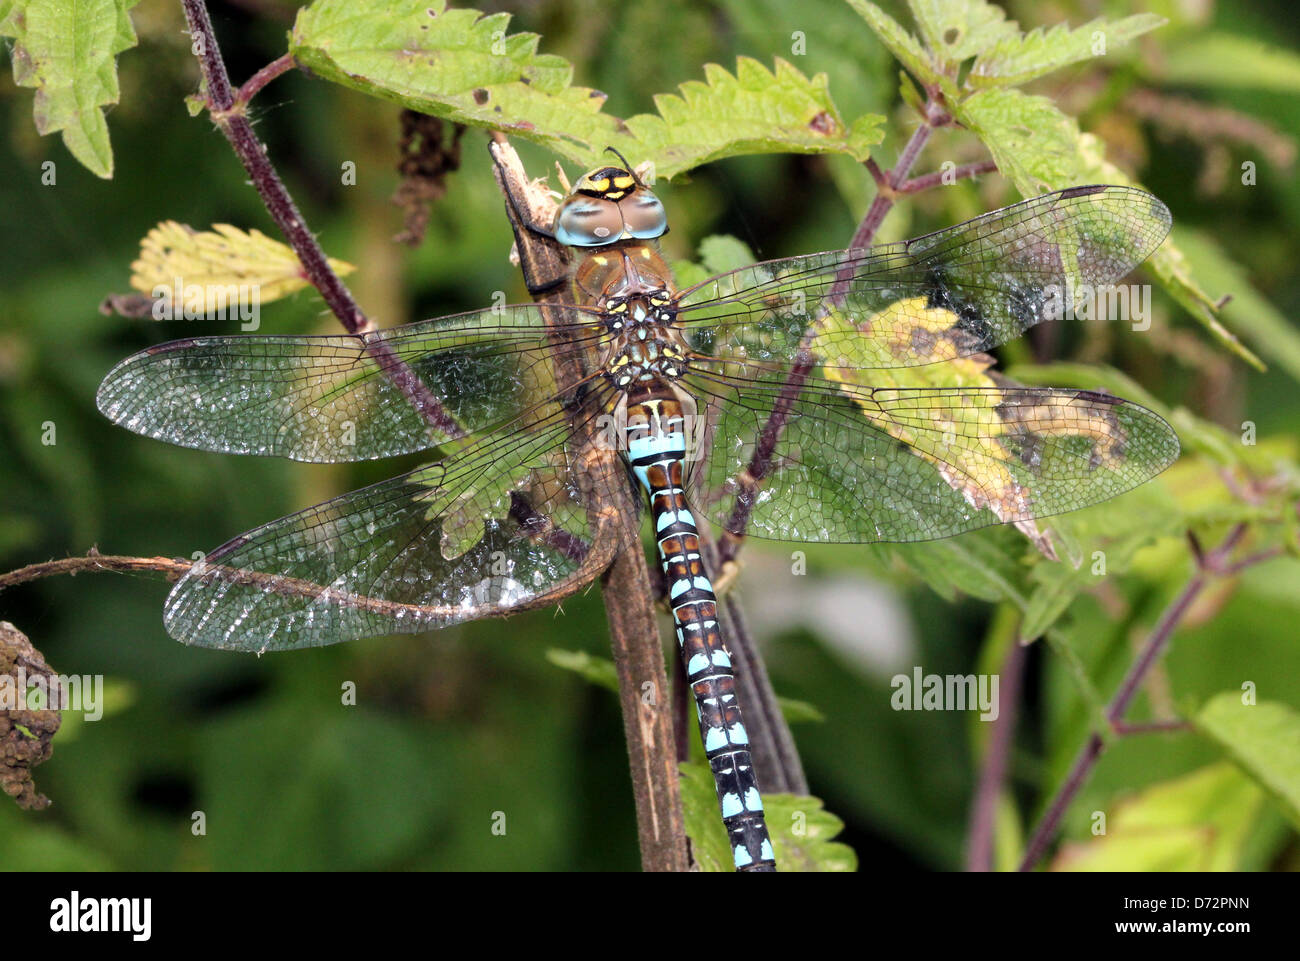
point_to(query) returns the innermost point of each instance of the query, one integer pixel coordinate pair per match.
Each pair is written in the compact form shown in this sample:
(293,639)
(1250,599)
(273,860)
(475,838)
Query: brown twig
(286,586)
(1208,565)
(634,633)
(93,561)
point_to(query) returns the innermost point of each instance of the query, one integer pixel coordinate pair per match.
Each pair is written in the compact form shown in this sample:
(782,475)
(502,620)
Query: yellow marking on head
(624,182)
(602,184)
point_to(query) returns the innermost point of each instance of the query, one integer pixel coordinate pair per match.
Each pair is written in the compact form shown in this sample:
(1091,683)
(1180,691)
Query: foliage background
(456,725)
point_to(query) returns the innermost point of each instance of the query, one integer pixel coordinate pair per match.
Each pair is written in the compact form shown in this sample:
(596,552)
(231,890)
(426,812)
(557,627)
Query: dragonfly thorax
(644,345)
(632,288)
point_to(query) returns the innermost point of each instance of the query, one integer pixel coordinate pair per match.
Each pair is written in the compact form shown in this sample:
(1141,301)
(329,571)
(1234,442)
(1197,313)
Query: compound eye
(588,222)
(643,215)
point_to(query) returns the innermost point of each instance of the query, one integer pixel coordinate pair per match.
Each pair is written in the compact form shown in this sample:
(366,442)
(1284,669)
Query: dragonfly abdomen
(656,446)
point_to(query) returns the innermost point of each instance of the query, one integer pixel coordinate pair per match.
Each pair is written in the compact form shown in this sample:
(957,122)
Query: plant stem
(276,68)
(231,119)
(1208,566)
(93,561)
(760,463)
(938,177)
(979,847)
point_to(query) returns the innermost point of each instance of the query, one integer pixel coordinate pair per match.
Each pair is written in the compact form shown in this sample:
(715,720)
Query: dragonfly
(766,400)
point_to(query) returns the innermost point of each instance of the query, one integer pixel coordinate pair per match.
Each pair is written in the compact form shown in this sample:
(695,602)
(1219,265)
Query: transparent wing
(345,398)
(910,464)
(948,294)
(497,527)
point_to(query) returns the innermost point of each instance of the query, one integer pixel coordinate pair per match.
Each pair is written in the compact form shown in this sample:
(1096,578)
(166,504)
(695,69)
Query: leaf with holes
(464,66)
(1041,149)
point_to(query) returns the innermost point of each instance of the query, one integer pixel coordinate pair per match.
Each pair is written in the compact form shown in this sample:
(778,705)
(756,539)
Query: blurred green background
(456,725)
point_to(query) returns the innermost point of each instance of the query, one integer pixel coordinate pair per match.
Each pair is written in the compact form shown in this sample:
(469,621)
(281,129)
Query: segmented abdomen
(656,442)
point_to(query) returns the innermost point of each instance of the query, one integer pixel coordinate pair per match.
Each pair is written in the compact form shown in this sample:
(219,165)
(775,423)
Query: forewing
(345,398)
(910,464)
(956,292)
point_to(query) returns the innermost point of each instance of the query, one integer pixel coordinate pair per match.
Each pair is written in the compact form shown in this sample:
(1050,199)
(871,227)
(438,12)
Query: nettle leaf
(222,257)
(754,111)
(1269,330)
(1199,822)
(981,564)
(1024,57)
(802,830)
(67,50)
(1263,739)
(957,30)
(1041,149)
(463,66)
(1033,143)
(905,47)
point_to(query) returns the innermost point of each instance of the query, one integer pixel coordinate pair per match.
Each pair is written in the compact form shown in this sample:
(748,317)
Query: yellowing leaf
(176,260)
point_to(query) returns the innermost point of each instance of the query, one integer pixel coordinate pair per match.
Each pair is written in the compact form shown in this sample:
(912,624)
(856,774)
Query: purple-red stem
(979,845)
(760,463)
(232,121)
(1208,566)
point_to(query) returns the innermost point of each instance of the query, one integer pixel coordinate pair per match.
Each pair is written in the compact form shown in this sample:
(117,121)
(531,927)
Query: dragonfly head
(609,204)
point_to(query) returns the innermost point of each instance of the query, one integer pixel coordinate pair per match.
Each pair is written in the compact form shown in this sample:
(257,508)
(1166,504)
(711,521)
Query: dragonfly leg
(726,579)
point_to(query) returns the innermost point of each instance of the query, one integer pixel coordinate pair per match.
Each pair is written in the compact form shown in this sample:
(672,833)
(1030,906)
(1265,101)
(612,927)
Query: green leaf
(905,47)
(800,712)
(1024,57)
(956,30)
(598,670)
(1267,329)
(1263,739)
(1041,149)
(67,50)
(1200,822)
(1212,59)
(1031,140)
(720,253)
(463,66)
(802,830)
(980,565)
